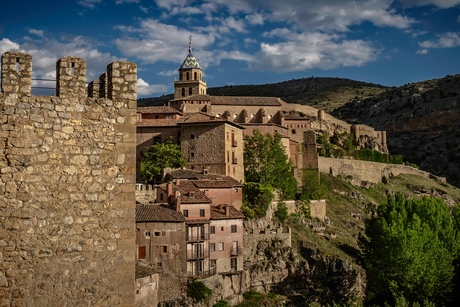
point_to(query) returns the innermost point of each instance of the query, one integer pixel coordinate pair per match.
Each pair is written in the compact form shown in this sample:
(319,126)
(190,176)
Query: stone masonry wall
(67,180)
(365,171)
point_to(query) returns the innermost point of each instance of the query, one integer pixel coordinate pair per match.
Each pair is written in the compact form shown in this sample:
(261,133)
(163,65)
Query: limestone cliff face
(303,275)
(422,121)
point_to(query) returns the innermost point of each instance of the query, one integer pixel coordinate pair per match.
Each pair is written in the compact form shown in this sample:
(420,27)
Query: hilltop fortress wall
(360,172)
(67,174)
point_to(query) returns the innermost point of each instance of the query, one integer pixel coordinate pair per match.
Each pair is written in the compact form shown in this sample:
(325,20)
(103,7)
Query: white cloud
(8,45)
(255,19)
(314,50)
(37,32)
(446,40)
(91,4)
(444,4)
(145,89)
(422,51)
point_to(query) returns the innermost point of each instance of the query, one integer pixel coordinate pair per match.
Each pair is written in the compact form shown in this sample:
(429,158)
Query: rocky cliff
(422,121)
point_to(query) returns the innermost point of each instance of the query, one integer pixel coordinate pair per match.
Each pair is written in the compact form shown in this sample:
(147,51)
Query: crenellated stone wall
(67,187)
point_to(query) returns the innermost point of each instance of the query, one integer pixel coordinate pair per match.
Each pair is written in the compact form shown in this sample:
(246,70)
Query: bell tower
(190,77)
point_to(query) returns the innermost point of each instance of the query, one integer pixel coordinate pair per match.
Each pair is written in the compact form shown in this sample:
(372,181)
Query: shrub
(198,291)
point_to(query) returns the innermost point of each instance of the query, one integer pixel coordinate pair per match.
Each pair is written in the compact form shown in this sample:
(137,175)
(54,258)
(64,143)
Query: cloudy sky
(240,41)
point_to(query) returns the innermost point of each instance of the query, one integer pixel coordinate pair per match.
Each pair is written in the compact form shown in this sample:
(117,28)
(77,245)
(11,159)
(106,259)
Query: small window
(212,247)
(192,136)
(164,249)
(201,212)
(233,228)
(213,229)
(185,212)
(221,228)
(157,233)
(221,246)
(213,263)
(147,233)
(192,194)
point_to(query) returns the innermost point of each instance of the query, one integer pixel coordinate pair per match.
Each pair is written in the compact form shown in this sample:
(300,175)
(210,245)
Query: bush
(221,303)
(198,291)
(281,212)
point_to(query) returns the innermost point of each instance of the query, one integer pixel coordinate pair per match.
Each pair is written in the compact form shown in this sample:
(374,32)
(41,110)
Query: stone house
(160,236)
(206,141)
(219,189)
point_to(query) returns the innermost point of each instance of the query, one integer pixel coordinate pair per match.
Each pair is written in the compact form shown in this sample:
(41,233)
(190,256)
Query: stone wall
(67,180)
(147,290)
(360,172)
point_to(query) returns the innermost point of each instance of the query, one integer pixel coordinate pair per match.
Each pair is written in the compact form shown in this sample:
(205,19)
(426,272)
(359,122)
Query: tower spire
(190,43)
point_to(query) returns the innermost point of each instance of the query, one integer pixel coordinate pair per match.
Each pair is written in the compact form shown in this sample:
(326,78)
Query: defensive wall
(67,182)
(360,172)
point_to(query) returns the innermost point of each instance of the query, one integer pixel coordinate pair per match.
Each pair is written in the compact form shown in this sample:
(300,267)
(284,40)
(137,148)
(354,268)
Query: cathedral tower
(190,77)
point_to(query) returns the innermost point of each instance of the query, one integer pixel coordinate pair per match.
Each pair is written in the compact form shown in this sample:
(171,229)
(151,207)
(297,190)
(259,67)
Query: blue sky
(240,41)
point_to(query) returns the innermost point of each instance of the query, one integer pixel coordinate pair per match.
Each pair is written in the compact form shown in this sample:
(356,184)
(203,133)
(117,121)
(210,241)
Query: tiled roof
(157,213)
(197,97)
(245,101)
(190,61)
(201,180)
(190,194)
(158,109)
(157,123)
(218,213)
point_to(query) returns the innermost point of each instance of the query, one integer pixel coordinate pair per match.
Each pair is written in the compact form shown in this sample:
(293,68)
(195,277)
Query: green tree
(266,162)
(256,199)
(409,250)
(158,157)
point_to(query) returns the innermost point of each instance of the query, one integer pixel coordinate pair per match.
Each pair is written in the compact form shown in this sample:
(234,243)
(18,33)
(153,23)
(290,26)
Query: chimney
(227,210)
(169,189)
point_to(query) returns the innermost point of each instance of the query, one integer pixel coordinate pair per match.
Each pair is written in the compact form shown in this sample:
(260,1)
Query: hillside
(422,121)
(323,264)
(321,93)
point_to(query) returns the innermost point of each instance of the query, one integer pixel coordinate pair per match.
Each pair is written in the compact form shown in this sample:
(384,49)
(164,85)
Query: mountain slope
(322,93)
(422,121)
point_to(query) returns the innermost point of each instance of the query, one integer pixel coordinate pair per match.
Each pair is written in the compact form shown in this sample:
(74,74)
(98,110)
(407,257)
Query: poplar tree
(266,162)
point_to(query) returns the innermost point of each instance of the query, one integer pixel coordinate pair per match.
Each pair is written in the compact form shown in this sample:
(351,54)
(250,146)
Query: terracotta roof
(218,213)
(157,123)
(201,180)
(157,213)
(193,98)
(245,101)
(190,194)
(158,109)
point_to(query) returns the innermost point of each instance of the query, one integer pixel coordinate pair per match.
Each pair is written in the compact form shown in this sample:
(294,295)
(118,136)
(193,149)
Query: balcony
(234,251)
(197,237)
(197,254)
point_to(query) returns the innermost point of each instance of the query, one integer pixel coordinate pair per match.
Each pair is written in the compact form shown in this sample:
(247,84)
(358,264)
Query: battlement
(67,182)
(119,82)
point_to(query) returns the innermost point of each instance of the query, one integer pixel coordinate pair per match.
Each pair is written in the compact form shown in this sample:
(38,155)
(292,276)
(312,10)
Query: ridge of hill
(324,93)
(422,121)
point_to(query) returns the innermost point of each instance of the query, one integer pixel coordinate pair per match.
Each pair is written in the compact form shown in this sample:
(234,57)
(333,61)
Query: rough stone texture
(67,174)
(147,290)
(362,172)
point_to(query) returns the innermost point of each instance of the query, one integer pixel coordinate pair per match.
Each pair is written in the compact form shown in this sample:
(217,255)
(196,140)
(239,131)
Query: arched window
(196,75)
(188,76)
(190,91)
(183,92)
